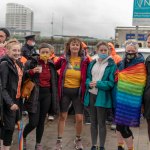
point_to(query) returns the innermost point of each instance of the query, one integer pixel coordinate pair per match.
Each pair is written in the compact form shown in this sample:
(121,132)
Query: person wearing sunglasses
(131,79)
(99,83)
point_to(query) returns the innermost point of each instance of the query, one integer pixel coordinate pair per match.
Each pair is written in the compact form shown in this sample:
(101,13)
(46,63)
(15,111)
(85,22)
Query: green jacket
(104,95)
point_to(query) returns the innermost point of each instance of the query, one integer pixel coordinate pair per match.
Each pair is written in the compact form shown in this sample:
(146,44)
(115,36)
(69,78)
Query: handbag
(28,86)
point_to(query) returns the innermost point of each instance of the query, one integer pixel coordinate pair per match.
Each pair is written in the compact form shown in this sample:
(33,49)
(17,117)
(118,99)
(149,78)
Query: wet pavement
(50,136)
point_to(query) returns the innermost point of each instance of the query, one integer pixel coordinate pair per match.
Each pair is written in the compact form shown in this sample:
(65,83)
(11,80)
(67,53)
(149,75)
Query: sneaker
(95,148)
(113,127)
(38,146)
(78,144)
(87,121)
(24,144)
(50,118)
(24,113)
(58,145)
(120,148)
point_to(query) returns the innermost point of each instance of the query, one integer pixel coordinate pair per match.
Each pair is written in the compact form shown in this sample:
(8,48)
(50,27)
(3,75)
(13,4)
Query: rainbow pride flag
(130,87)
(20,135)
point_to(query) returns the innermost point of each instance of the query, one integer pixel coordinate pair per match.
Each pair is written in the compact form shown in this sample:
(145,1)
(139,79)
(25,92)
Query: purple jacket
(62,65)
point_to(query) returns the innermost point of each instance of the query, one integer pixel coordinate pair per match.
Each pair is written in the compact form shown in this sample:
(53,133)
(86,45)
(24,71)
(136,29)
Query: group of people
(106,82)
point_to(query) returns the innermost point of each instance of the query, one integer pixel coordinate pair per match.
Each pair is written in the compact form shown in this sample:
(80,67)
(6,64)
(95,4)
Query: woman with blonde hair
(11,78)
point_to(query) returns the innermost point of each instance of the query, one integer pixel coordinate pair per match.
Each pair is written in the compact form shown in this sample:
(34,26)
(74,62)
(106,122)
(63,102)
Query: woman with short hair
(41,71)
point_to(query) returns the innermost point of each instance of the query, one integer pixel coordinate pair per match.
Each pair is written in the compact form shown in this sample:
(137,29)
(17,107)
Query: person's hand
(3,44)
(92,84)
(37,70)
(14,107)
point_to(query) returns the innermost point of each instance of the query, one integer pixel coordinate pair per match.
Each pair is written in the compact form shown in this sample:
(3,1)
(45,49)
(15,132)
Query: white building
(125,33)
(19,19)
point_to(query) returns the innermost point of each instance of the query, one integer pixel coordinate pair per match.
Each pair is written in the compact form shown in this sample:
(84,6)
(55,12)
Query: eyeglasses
(131,43)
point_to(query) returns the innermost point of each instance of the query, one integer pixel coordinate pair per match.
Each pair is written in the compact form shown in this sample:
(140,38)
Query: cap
(30,37)
(5,31)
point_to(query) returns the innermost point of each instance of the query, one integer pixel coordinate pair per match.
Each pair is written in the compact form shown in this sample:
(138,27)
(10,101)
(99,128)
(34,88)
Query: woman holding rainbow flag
(131,78)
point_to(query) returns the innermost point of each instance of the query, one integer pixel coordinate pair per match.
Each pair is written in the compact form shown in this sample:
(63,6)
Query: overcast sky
(94,18)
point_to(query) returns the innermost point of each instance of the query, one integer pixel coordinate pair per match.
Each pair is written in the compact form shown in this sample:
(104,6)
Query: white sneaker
(51,118)
(113,127)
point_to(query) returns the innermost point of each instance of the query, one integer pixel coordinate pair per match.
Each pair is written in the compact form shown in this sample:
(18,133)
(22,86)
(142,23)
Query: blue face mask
(102,56)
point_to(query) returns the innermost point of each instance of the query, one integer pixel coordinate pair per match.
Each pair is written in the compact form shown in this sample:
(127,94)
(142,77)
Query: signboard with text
(141,37)
(141,13)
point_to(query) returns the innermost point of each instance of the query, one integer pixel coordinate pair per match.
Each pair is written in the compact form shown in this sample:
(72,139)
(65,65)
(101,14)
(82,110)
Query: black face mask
(130,56)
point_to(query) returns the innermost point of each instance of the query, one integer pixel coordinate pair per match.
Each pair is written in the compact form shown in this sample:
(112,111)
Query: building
(125,33)
(19,19)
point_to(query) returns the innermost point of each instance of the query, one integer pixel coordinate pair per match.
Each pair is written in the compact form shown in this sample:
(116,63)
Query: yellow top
(73,73)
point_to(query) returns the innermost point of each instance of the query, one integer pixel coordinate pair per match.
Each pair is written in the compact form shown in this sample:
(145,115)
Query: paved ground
(50,135)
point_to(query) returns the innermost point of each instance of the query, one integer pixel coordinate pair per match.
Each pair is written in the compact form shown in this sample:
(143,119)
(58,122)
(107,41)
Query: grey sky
(96,18)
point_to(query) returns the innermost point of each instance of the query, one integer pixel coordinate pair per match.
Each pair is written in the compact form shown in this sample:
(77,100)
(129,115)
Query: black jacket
(9,79)
(146,96)
(32,102)
(28,51)
(1,105)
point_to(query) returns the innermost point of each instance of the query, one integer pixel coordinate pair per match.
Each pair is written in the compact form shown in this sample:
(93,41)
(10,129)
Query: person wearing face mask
(28,50)
(11,79)
(4,35)
(99,83)
(131,80)
(40,69)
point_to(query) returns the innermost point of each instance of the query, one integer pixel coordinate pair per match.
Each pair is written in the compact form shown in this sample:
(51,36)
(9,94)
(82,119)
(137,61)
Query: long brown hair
(67,46)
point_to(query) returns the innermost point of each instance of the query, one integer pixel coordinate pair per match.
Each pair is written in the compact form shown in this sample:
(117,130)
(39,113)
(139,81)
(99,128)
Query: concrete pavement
(50,136)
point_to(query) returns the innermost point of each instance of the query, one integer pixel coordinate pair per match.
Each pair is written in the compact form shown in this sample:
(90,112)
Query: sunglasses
(131,43)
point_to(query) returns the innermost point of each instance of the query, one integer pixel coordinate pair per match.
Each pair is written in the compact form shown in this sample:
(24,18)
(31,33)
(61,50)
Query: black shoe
(96,148)
(120,148)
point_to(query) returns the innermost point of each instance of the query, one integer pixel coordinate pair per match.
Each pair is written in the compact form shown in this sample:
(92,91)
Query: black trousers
(36,120)
(10,119)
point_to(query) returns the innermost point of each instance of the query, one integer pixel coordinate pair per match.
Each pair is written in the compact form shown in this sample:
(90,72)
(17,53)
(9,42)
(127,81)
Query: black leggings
(36,120)
(124,130)
(7,138)
(148,126)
